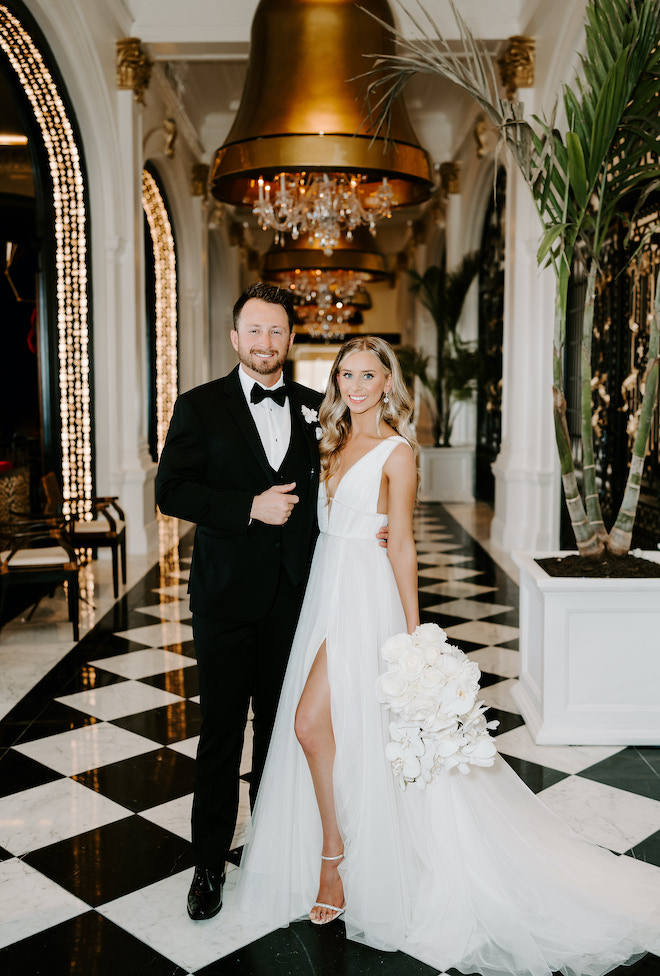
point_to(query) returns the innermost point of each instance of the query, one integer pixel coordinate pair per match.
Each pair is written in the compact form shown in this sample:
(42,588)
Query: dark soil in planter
(606,566)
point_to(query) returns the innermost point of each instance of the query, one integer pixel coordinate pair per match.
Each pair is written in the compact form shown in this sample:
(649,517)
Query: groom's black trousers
(237,662)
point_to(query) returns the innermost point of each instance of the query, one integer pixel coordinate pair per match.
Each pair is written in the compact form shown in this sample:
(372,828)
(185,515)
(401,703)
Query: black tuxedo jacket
(211,467)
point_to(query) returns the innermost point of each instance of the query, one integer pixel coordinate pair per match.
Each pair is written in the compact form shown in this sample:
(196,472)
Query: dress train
(474,872)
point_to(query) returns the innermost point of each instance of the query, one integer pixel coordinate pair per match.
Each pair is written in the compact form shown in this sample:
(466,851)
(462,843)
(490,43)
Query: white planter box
(589,657)
(447,474)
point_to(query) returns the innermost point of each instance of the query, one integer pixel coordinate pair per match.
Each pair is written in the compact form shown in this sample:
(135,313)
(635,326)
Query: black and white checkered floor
(96,774)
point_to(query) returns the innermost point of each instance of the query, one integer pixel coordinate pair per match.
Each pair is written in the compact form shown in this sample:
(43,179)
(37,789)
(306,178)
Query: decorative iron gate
(622,316)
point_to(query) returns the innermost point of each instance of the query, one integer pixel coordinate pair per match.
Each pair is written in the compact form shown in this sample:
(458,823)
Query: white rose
(429,634)
(431,653)
(412,663)
(449,666)
(431,680)
(392,684)
(395,646)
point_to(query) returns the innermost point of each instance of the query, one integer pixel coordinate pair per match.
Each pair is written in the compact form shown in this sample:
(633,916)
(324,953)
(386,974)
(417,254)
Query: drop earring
(386,399)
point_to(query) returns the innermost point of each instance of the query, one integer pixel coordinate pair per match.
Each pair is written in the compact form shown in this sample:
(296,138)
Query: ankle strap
(335,858)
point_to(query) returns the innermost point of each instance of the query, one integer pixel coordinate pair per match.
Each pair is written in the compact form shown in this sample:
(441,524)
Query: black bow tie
(259,393)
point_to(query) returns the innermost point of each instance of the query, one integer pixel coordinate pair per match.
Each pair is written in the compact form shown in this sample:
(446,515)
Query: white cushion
(26,558)
(99,525)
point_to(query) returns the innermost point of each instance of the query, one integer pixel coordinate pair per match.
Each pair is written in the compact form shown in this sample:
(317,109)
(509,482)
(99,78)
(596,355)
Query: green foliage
(581,182)
(443,294)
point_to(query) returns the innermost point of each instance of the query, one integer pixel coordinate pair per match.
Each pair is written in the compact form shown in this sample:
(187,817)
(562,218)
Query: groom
(241,461)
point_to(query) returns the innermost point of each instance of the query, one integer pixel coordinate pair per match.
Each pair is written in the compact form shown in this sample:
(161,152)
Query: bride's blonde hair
(335,417)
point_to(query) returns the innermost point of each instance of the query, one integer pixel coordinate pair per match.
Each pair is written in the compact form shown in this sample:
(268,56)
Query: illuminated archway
(68,300)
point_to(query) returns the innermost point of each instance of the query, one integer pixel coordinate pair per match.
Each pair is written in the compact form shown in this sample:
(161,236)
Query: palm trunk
(587,541)
(591,499)
(621,535)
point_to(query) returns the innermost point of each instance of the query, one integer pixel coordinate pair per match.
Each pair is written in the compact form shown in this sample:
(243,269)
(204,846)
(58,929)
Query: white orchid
(432,686)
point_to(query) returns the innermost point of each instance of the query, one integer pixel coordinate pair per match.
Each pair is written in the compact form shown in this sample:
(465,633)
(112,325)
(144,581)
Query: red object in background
(32,334)
(6,465)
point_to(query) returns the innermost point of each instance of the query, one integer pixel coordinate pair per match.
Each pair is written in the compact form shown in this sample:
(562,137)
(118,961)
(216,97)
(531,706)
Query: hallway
(96,767)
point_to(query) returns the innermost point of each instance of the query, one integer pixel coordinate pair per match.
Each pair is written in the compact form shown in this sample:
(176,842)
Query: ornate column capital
(450,175)
(133,67)
(517,64)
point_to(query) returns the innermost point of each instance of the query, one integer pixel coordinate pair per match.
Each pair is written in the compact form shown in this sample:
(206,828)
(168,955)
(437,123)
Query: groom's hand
(275,505)
(382,536)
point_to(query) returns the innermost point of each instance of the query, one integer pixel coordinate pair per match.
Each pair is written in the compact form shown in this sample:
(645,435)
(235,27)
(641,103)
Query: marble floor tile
(569,759)
(246,755)
(438,547)
(88,944)
(175,722)
(142,781)
(473,609)
(447,572)
(482,632)
(159,635)
(243,818)
(173,816)
(176,610)
(156,916)
(441,558)
(436,536)
(457,589)
(605,815)
(23,662)
(30,902)
(636,769)
(85,748)
(141,664)
(497,660)
(114,701)
(498,695)
(187,747)
(50,813)
(177,590)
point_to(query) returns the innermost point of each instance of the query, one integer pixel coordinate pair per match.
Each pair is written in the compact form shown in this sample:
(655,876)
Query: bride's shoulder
(401,456)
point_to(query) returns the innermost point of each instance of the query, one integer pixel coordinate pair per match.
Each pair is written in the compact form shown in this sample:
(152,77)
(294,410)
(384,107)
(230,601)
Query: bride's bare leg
(314,732)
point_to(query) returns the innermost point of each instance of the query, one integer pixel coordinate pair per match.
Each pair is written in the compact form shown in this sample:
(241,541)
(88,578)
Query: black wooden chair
(39,552)
(106,530)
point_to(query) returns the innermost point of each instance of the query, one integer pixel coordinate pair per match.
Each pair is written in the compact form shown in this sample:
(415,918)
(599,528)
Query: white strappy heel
(320,904)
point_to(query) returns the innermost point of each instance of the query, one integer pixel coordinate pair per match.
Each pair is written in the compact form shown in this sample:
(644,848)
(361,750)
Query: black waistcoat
(297,534)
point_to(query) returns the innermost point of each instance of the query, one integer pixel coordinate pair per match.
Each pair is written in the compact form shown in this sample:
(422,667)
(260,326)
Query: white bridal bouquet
(431,686)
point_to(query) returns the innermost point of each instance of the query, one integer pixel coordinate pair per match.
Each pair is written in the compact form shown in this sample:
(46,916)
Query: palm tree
(443,294)
(581,184)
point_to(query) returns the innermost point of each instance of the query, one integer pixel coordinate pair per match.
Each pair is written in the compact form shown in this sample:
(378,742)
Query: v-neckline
(331,498)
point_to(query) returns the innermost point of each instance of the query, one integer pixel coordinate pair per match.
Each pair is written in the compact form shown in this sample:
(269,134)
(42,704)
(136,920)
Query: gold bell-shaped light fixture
(357,256)
(301,153)
(328,288)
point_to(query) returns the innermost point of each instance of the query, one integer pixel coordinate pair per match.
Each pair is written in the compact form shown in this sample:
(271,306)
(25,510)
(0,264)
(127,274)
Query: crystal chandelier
(328,305)
(321,206)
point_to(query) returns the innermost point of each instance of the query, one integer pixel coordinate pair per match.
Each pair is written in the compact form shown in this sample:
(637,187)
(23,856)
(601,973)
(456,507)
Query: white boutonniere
(312,417)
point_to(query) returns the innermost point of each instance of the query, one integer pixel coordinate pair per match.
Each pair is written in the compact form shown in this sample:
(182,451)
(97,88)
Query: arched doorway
(55,255)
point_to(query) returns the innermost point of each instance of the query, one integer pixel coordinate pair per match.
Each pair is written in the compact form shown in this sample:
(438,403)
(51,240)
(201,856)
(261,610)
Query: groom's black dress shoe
(205,895)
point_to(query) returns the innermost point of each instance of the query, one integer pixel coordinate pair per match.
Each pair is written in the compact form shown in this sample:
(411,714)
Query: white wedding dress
(473,872)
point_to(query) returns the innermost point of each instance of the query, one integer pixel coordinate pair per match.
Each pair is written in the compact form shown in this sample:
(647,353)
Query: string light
(70,232)
(162,240)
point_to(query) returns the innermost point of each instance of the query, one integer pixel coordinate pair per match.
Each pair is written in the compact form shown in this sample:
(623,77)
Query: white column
(135,472)
(526,470)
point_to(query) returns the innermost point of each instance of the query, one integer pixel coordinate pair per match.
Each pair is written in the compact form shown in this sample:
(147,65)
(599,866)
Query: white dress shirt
(273,422)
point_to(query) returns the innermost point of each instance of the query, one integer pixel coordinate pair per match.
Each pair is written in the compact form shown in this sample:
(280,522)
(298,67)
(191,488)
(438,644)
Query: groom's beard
(249,358)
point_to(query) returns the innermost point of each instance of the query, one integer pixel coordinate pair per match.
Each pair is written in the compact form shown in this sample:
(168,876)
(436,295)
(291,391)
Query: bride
(474,872)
